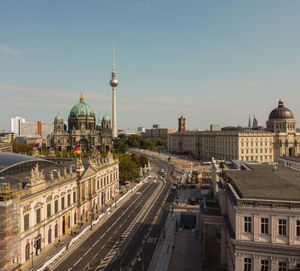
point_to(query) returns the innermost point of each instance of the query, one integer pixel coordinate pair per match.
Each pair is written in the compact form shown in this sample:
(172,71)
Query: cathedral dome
(82,109)
(281,112)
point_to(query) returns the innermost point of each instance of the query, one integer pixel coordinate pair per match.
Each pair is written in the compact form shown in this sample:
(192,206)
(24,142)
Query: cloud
(7,50)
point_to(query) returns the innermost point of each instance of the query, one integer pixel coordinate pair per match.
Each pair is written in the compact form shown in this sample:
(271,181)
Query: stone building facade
(258,222)
(58,196)
(82,130)
(280,138)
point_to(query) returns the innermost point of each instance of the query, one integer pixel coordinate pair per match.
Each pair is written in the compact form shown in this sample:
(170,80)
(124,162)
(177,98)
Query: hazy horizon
(211,61)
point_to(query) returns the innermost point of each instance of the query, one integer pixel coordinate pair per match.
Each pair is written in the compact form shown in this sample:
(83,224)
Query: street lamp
(141,259)
(33,245)
(92,218)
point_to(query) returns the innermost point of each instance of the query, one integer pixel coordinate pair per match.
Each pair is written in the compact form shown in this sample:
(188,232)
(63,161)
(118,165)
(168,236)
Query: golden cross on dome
(81,96)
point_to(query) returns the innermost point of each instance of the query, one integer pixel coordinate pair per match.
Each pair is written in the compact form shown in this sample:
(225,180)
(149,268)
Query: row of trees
(123,143)
(130,165)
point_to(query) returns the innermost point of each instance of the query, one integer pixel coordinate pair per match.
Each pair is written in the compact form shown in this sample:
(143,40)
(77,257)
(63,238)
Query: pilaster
(274,264)
(256,262)
(238,261)
(256,227)
(273,229)
(291,231)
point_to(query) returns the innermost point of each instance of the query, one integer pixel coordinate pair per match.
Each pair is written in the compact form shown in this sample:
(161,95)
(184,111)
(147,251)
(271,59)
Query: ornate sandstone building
(280,138)
(82,130)
(43,199)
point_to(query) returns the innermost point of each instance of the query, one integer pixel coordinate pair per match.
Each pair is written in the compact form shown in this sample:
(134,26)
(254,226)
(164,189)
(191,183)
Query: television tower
(114,83)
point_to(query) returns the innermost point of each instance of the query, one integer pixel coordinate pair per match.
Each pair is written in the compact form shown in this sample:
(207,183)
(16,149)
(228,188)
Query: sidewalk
(51,250)
(164,250)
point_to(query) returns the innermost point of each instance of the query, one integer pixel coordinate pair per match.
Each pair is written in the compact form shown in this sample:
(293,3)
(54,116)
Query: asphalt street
(138,253)
(99,244)
(127,240)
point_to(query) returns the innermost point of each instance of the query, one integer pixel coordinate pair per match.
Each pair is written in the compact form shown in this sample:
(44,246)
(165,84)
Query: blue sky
(212,61)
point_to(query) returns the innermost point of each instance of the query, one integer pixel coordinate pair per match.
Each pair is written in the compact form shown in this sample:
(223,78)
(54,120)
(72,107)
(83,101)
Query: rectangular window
(69,200)
(298,228)
(38,216)
(264,265)
(247,264)
(74,196)
(282,227)
(26,222)
(62,203)
(282,266)
(247,223)
(48,210)
(56,206)
(264,225)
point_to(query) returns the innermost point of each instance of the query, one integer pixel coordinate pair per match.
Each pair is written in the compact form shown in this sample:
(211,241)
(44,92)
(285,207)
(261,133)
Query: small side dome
(58,117)
(106,118)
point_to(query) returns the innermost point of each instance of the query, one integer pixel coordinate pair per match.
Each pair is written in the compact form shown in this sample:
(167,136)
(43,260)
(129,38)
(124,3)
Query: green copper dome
(105,118)
(81,109)
(58,117)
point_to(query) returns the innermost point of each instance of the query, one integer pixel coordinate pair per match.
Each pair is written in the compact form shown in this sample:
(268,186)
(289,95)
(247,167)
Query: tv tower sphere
(114,82)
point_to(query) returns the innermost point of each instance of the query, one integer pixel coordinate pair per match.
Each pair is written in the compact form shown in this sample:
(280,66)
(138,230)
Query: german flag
(77,150)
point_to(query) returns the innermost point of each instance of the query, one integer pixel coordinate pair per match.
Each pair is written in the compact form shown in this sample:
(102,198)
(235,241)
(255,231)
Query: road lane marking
(96,255)
(87,251)
(78,261)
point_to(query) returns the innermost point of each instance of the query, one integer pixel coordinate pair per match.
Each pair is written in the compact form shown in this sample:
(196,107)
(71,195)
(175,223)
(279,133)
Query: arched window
(27,252)
(75,218)
(49,236)
(56,231)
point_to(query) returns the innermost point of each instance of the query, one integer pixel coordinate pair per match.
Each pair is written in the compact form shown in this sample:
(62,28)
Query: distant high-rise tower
(16,125)
(114,83)
(181,124)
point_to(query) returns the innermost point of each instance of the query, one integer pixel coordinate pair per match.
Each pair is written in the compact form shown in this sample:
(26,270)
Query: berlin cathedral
(82,130)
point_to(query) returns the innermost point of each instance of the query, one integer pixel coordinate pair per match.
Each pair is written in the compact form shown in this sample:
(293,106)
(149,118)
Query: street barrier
(52,259)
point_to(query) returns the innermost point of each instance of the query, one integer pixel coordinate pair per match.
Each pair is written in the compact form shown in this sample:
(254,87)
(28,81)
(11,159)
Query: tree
(128,168)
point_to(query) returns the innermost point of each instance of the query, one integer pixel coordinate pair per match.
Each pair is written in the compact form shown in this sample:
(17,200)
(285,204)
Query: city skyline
(211,62)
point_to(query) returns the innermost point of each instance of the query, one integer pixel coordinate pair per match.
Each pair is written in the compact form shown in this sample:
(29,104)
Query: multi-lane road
(127,239)
(137,255)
